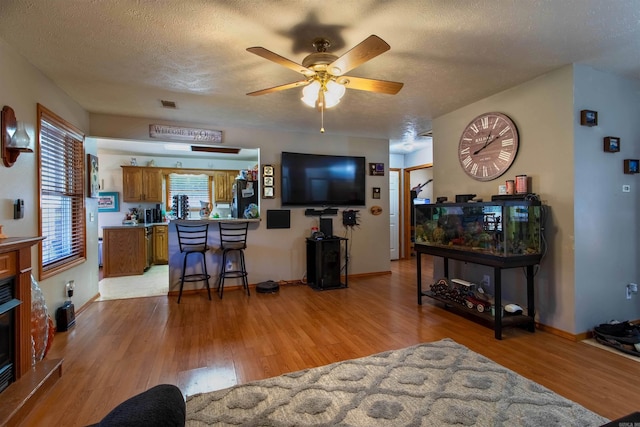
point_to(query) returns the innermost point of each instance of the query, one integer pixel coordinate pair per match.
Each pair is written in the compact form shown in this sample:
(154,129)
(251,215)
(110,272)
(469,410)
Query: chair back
(192,237)
(233,235)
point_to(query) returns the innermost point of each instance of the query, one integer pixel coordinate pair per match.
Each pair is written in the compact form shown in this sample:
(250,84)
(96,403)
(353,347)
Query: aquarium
(502,228)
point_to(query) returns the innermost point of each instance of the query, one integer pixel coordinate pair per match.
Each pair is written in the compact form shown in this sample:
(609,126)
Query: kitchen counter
(133,225)
(215,220)
(213,256)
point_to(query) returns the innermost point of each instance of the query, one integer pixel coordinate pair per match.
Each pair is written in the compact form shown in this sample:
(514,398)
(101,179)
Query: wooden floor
(120,348)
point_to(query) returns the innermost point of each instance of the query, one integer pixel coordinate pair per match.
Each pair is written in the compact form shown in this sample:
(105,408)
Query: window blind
(62,221)
(196,187)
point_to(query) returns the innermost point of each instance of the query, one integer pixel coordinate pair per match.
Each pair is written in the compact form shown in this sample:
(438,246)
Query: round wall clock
(488,146)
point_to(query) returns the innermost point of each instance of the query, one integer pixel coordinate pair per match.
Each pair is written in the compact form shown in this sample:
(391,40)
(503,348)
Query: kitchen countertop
(217,220)
(134,225)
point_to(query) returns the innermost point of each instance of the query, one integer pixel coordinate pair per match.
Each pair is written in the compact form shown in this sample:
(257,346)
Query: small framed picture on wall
(611,144)
(631,166)
(376,169)
(588,118)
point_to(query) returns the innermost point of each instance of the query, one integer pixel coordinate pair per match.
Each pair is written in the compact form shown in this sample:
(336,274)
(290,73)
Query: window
(196,187)
(62,220)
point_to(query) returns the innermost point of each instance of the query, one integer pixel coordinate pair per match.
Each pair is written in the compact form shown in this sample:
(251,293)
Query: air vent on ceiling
(215,149)
(426,133)
(168,104)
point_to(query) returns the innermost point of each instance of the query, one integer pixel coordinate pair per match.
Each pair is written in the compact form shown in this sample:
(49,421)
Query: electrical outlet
(626,188)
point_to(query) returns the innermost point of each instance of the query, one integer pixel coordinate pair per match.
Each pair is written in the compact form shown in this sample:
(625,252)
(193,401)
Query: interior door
(394,220)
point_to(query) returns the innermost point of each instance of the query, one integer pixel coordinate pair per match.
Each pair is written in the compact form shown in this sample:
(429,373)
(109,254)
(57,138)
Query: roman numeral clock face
(488,146)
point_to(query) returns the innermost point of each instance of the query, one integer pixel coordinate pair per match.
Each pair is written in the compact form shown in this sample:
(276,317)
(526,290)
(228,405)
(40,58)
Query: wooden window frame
(61,143)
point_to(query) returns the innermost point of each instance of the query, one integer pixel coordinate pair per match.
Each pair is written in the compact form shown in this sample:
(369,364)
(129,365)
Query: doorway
(394,213)
(415,176)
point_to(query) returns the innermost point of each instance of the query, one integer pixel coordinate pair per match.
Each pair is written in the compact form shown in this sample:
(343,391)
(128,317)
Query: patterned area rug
(434,384)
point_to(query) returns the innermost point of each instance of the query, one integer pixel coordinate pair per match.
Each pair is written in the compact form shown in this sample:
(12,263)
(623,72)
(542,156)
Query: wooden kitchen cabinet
(141,184)
(123,251)
(223,183)
(160,244)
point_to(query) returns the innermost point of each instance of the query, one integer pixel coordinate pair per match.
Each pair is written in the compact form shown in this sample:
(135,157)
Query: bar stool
(192,239)
(233,238)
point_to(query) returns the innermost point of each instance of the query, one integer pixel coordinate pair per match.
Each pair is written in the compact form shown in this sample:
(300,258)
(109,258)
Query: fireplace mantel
(15,261)
(30,382)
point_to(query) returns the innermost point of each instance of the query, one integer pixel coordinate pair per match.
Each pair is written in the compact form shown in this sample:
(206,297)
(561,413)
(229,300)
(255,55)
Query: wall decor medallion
(488,146)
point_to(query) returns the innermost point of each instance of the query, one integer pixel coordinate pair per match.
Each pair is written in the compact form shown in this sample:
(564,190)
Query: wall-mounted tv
(322,180)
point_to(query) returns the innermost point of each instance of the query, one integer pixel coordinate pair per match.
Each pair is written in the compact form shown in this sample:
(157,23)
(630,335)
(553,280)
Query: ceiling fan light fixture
(332,91)
(335,91)
(310,94)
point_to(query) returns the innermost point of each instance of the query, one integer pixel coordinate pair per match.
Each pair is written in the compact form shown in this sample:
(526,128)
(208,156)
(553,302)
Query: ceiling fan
(324,80)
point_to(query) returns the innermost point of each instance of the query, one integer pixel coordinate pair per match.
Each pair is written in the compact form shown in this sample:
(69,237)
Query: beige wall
(581,279)
(21,88)
(542,109)
(278,254)
(592,247)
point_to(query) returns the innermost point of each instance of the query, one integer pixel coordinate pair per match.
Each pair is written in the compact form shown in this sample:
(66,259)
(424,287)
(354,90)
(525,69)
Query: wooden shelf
(485,317)
(498,263)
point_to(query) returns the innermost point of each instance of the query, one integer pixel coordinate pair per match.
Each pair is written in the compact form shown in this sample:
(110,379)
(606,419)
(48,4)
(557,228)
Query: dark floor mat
(625,348)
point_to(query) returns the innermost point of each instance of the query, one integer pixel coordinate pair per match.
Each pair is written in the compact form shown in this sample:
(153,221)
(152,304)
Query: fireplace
(8,306)
(25,383)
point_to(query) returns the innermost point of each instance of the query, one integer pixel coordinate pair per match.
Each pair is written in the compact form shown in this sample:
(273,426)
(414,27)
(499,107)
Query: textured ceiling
(122,56)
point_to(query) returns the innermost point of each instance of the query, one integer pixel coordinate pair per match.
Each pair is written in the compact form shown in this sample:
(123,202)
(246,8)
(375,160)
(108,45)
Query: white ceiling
(122,57)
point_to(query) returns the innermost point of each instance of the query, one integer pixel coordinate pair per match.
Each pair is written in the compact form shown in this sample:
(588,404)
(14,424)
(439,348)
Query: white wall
(419,158)
(396,161)
(22,87)
(606,219)
(279,254)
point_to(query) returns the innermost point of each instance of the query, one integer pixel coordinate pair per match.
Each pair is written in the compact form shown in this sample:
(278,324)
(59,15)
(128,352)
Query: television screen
(322,180)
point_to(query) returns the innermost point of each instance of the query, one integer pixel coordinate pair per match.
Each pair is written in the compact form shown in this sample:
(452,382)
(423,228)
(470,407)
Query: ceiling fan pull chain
(320,102)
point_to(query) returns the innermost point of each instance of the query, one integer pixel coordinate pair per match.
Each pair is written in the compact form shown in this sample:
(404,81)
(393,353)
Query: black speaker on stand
(326,227)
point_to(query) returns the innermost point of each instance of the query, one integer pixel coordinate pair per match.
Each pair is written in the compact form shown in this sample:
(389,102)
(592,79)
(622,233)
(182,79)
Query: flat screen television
(322,180)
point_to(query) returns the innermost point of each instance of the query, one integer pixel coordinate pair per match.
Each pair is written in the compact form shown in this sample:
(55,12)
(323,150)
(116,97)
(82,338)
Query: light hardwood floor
(120,348)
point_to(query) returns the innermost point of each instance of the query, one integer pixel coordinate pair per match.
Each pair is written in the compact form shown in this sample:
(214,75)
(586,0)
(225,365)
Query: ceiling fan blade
(368,49)
(370,85)
(274,57)
(301,83)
